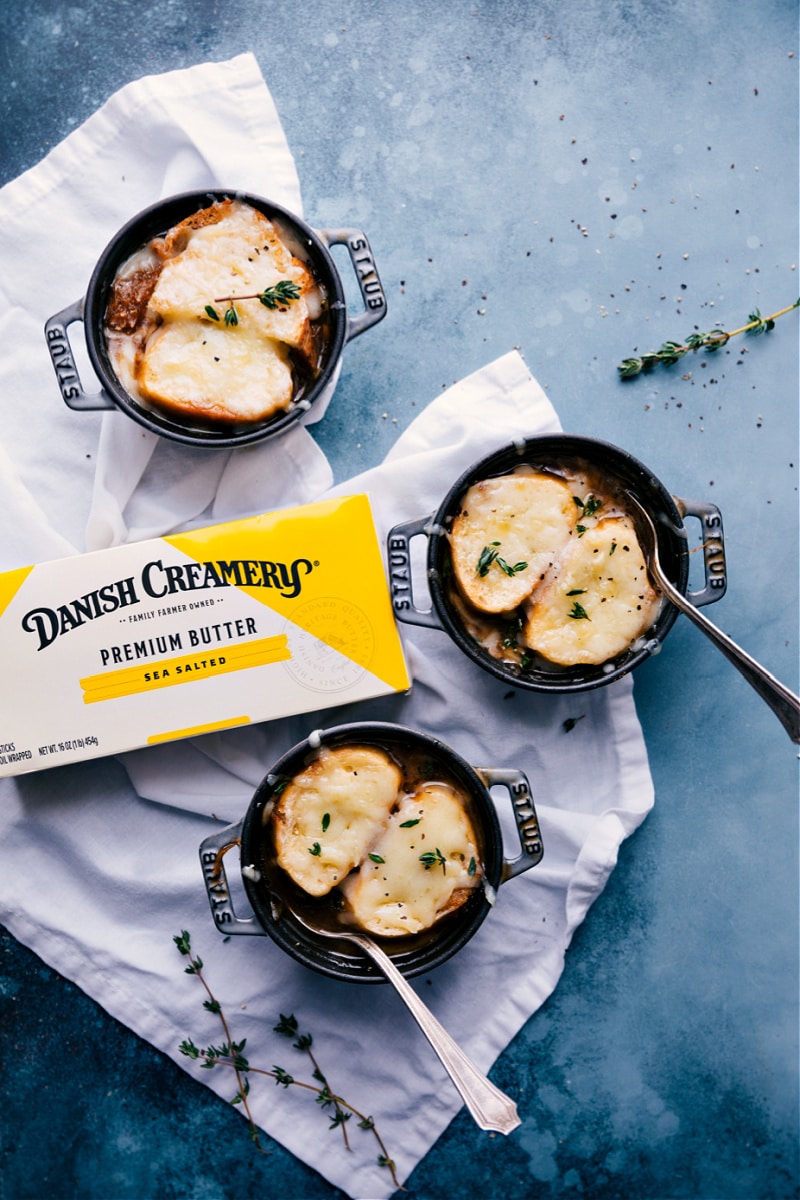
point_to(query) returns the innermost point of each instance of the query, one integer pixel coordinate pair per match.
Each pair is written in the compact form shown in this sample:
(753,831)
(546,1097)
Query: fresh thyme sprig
(671,352)
(230,1054)
(280,295)
(287,1027)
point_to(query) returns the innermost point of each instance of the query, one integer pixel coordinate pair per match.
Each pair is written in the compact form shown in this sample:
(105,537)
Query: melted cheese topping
(182,360)
(524,520)
(216,373)
(329,816)
(235,256)
(423,865)
(563,528)
(596,600)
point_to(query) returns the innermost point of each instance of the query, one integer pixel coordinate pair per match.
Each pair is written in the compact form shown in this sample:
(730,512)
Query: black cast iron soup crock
(312,246)
(268,888)
(620,473)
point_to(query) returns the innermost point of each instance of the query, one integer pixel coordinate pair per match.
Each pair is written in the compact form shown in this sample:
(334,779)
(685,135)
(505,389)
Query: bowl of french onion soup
(216,318)
(534,568)
(378,829)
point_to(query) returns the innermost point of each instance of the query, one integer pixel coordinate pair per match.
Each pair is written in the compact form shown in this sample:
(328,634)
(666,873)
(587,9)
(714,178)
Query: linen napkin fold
(98,861)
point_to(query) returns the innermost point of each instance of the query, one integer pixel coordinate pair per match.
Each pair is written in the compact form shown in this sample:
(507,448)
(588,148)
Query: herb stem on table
(287,1026)
(231,1055)
(671,352)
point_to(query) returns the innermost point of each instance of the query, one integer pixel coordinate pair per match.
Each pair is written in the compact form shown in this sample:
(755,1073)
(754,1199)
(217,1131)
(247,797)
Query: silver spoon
(490,1108)
(783,703)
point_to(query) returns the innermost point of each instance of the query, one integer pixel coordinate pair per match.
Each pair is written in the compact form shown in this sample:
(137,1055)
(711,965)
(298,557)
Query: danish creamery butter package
(265,617)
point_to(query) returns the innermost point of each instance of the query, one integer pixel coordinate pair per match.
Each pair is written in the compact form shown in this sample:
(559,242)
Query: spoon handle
(780,699)
(490,1107)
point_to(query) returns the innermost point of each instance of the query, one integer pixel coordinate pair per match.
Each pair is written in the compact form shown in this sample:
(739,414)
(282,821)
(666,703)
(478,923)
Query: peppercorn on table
(604,198)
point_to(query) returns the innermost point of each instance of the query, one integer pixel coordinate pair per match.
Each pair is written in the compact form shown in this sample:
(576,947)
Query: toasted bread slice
(177,238)
(329,816)
(507,535)
(239,254)
(596,601)
(193,370)
(397,891)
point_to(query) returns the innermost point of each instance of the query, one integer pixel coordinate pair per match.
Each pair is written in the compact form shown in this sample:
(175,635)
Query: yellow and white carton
(277,614)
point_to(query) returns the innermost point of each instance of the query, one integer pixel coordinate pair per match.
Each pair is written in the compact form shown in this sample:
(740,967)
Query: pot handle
(64,365)
(710,518)
(521,798)
(398,548)
(219,896)
(363,264)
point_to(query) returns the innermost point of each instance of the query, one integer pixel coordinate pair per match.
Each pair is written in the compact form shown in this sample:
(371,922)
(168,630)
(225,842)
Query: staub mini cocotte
(277,614)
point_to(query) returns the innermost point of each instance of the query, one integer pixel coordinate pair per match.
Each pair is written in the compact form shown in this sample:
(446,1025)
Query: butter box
(277,614)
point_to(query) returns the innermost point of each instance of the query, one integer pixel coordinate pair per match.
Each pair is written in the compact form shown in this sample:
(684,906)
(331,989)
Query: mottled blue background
(578,179)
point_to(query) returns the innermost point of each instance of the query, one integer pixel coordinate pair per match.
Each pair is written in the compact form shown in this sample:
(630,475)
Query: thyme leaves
(432,858)
(278,296)
(671,352)
(489,555)
(283,293)
(230,1054)
(589,506)
(578,612)
(508,569)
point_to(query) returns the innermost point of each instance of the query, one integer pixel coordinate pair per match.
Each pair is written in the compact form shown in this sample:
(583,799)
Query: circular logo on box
(326,635)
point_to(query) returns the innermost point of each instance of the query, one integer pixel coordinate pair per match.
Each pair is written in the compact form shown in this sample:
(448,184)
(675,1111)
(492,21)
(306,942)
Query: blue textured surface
(578,179)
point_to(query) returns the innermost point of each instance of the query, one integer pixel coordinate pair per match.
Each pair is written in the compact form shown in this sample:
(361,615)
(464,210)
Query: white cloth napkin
(212,125)
(98,861)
